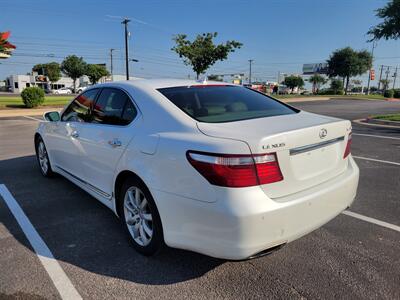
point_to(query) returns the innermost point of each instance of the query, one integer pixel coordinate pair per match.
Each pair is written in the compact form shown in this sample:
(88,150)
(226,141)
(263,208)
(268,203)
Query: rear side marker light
(347,151)
(230,170)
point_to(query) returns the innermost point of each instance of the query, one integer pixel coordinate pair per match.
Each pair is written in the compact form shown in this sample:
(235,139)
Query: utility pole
(125,22)
(387,77)
(380,78)
(372,55)
(111,57)
(250,62)
(394,78)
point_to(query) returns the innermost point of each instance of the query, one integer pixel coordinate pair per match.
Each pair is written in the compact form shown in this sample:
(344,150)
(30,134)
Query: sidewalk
(304,99)
(17,112)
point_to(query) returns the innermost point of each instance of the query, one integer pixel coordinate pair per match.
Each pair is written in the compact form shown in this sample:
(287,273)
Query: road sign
(320,68)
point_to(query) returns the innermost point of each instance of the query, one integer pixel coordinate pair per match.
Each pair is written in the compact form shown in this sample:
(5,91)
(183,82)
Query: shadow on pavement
(82,232)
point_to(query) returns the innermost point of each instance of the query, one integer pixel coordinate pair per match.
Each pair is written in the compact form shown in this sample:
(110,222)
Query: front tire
(140,217)
(43,158)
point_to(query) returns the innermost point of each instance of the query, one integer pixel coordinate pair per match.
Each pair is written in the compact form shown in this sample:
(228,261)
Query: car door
(114,122)
(62,137)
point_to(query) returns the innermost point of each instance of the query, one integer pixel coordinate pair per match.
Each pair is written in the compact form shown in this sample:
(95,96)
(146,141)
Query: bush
(330,92)
(339,92)
(337,86)
(388,94)
(396,93)
(32,96)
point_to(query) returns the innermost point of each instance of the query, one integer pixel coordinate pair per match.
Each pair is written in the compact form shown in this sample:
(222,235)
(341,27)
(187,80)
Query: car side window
(79,109)
(113,107)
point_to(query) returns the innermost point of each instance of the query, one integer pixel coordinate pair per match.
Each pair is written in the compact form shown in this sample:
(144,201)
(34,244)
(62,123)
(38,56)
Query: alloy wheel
(43,158)
(138,216)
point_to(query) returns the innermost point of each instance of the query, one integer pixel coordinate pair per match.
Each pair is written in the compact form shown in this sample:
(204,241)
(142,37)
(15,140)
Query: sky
(279,35)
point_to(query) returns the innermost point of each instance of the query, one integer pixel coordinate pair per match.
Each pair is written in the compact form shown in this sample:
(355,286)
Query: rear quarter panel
(168,170)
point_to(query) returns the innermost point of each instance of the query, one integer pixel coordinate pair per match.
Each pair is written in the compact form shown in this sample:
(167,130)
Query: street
(350,257)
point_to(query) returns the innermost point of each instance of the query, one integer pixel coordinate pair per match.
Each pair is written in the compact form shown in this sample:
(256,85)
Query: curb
(382,122)
(378,123)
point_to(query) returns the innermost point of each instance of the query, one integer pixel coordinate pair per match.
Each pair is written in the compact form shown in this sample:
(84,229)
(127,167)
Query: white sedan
(62,91)
(214,168)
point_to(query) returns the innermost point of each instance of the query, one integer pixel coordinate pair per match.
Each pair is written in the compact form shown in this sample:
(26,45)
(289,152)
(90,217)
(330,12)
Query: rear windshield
(224,103)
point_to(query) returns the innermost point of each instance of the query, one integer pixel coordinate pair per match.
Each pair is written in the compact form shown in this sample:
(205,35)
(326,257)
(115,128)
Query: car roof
(162,83)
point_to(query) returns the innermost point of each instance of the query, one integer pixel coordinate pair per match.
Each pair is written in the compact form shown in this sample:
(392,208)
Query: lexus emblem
(323,133)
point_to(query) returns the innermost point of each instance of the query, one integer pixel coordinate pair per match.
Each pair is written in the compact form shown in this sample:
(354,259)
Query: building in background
(17,83)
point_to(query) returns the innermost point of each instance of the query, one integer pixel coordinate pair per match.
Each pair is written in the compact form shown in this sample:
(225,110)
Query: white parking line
(32,118)
(377,136)
(371,220)
(378,160)
(53,268)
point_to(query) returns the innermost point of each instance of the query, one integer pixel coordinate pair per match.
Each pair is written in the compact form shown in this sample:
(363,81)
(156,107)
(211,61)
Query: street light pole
(125,22)
(250,61)
(111,57)
(372,55)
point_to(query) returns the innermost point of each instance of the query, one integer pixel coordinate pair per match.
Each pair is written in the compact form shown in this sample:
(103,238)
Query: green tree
(52,70)
(39,68)
(74,67)
(390,27)
(336,85)
(317,81)
(95,72)
(347,63)
(293,81)
(202,52)
(385,83)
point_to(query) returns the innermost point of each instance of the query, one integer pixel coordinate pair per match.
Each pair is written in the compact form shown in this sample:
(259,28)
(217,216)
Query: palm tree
(317,80)
(385,83)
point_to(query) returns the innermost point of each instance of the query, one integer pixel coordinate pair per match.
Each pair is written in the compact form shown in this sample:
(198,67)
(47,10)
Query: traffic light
(372,74)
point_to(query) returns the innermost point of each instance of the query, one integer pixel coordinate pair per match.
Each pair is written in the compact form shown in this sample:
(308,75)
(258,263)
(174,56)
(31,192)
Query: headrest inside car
(236,106)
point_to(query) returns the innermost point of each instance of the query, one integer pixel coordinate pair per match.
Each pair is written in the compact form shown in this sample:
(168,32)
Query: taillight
(347,151)
(236,170)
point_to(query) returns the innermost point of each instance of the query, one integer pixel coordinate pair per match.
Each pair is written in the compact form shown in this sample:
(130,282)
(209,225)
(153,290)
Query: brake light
(347,151)
(236,170)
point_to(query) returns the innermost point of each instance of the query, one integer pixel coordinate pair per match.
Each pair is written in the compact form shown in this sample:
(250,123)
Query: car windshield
(224,103)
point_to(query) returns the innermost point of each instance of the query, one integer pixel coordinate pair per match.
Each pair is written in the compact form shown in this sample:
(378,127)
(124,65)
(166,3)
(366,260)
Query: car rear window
(224,103)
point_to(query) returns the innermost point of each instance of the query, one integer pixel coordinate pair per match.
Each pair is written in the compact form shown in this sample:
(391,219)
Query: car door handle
(75,134)
(115,143)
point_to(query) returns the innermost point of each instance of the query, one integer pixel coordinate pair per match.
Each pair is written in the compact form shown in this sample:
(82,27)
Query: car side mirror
(52,116)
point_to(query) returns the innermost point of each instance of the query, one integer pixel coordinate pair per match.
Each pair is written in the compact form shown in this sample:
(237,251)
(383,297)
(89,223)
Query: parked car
(62,91)
(215,168)
(81,89)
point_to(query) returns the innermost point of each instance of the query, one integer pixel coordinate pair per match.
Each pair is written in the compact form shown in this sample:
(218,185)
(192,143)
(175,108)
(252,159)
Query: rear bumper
(244,222)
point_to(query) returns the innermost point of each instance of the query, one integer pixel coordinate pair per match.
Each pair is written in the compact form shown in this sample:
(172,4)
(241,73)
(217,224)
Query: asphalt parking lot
(347,258)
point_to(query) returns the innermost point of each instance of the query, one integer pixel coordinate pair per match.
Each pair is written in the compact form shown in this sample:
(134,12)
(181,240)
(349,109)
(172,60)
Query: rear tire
(139,215)
(43,158)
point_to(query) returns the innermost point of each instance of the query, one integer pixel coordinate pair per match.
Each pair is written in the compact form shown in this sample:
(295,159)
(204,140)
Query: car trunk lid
(309,147)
